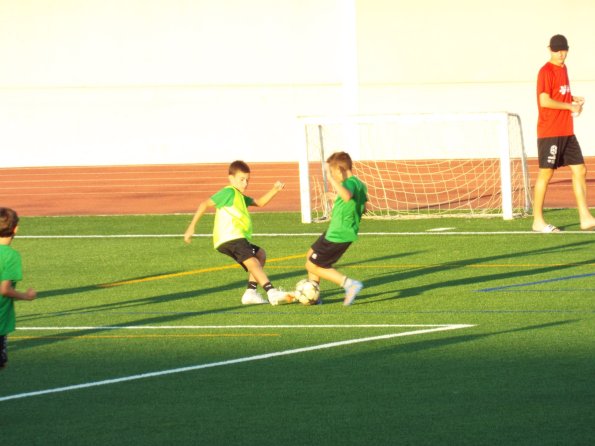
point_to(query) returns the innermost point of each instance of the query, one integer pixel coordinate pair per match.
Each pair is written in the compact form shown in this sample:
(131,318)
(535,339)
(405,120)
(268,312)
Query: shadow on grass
(236,286)
(424,273)
(438,343)
(142,305)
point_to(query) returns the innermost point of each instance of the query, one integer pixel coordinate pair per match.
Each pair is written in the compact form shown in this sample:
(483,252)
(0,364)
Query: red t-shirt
(553,80)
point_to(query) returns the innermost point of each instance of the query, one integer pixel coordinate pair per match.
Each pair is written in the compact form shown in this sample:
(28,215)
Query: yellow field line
(360,266)
(464,265)
(203,335)
(189,273)
(444,265)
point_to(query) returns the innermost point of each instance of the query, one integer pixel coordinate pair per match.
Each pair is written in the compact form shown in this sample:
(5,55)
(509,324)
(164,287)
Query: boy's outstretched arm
(202,208)
(262,201)
(7,290)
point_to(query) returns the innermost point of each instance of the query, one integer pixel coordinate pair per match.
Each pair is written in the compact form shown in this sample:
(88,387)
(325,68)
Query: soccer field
(468,332)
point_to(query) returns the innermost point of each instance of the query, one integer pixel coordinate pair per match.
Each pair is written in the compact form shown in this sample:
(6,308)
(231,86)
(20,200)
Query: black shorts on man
(559,151)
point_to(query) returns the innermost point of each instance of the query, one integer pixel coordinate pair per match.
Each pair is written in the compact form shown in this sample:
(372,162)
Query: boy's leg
(579,186)
(319,264)
(316,273)
(3,351)
(251,295)
(255,269)
(256,276)
(351,286)
(251,258)
(543,179)
(262,258)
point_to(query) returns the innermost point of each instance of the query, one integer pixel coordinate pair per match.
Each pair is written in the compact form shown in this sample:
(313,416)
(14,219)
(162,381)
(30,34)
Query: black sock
(252,285)
(267,286)
(3,354)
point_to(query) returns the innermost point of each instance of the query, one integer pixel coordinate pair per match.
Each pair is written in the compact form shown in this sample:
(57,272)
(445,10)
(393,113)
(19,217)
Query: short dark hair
(340,159)
(238,166)
(9,220)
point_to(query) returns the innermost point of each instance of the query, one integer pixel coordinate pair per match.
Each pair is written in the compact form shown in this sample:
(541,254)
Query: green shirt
(232,219)
(346,216)
(10,269)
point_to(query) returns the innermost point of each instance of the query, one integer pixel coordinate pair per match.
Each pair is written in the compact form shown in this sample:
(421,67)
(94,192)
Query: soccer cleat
(277,297)
(352,288)
(252,297)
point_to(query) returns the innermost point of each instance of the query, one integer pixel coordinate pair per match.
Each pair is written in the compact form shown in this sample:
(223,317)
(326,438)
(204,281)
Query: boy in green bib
(348,208)
(232,232)
(10,274)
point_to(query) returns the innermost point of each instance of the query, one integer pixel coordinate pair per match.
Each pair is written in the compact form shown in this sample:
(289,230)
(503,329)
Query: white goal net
(421,165)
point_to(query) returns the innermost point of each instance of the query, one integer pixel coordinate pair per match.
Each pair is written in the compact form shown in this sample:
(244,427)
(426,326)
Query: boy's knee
(261,255)
(579,170)
(311,267)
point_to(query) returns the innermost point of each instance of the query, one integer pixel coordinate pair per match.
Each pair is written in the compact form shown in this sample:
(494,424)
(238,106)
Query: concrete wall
(106,82)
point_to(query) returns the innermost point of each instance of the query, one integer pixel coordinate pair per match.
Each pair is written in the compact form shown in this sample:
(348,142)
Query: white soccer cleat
(351,290)
(277,297)
(252,297)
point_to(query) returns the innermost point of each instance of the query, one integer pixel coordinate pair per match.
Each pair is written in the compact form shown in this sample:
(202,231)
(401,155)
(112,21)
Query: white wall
(174,81)
(472,55)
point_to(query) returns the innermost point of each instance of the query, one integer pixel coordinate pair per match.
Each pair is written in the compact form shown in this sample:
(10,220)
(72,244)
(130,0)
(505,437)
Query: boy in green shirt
(10,274)
(348,208)
(232,232)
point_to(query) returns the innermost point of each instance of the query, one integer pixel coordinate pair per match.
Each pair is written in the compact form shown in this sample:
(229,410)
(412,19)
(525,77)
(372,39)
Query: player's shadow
(425,273)
(236,286)
(141,306)
(457,337)
(331,293)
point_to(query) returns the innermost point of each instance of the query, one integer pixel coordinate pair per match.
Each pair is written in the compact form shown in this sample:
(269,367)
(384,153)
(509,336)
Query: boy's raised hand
(279,185)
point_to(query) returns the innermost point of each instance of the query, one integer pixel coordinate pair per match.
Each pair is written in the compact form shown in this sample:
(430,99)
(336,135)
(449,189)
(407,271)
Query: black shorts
(239,249)
(559,151)
(325,254)
(3,354)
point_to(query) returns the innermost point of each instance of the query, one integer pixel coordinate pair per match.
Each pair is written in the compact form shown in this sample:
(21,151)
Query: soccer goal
(421,165)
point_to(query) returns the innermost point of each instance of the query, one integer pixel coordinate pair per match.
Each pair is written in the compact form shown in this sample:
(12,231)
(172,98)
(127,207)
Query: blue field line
(539,282)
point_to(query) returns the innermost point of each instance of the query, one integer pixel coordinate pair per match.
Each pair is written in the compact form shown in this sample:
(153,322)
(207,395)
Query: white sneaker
(252,297)
(351,289)
(277,297)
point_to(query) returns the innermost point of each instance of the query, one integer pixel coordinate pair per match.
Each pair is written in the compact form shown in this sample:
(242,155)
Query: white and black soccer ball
(307,292)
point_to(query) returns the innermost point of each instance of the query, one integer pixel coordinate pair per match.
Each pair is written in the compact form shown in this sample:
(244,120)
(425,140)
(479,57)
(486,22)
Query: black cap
(558,43)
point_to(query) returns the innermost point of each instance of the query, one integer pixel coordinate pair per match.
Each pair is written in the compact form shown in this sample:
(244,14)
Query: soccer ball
(307,292)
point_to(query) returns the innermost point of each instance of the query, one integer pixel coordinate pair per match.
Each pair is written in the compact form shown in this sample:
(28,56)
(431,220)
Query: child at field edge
(232,232)
(10,273)
(348,208)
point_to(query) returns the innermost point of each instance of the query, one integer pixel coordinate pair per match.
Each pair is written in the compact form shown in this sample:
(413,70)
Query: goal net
(421,165)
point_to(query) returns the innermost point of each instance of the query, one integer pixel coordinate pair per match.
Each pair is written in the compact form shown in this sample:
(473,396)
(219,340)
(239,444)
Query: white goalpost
(421,165)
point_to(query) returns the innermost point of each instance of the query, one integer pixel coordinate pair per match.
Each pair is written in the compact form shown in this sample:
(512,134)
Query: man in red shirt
(557,145)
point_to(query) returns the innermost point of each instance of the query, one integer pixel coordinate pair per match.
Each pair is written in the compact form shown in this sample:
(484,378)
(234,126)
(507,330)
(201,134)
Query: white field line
(224,327)
(241,360)
(303,234)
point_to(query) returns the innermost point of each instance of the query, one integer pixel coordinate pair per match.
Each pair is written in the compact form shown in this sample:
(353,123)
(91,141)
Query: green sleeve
(223,198)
